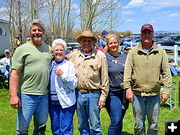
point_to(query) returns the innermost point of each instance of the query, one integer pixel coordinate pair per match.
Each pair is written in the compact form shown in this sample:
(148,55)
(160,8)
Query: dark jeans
(61,119)
(116,112)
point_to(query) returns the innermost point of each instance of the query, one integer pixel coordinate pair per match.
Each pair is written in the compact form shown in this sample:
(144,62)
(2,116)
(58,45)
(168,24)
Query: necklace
(116,61)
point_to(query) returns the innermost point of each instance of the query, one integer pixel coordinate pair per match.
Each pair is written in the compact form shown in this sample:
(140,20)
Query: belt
(86,90)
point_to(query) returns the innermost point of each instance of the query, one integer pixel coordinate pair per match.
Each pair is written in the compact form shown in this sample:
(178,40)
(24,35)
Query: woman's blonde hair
(106,48)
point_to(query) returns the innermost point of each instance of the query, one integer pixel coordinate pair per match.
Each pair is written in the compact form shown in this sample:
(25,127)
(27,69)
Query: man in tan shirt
(92,89)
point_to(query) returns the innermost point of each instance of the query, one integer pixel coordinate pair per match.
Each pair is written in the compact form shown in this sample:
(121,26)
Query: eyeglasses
(146,32)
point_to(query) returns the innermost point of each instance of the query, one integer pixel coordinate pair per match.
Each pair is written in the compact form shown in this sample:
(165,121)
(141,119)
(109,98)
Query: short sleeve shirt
(115,70)
(33,61)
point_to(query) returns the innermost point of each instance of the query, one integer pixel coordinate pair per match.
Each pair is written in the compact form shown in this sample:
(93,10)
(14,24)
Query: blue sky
(164,15)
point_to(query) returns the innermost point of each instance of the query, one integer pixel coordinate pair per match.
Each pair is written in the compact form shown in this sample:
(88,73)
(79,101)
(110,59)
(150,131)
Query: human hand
(15,102)
(164,98)
(130,95)
(58,71)
(101,104)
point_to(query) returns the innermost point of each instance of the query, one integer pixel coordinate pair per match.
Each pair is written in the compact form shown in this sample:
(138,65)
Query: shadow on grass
(126,133)
(165,106)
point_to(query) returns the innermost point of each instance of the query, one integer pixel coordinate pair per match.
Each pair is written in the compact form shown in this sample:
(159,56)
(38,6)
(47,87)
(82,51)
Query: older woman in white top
(61,91)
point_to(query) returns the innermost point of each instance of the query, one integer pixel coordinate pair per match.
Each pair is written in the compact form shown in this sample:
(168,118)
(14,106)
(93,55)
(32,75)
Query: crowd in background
(98,73)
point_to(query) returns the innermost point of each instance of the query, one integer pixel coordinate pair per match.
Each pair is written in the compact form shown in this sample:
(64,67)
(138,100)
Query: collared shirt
(91,71)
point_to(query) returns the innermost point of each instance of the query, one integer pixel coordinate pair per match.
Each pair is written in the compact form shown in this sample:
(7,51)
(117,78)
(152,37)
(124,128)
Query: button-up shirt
(91,71)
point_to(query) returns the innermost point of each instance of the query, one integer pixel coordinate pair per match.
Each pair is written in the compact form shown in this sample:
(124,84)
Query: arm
(104,81)
(166,78)
(2,61)
(68,56)
(69,78)
(128,77)
(14,80)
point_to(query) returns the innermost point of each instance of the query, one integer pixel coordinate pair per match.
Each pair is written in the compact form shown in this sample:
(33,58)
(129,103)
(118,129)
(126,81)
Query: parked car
(167,41)
(177,39)
(133,41)
(158,37)
(136,41)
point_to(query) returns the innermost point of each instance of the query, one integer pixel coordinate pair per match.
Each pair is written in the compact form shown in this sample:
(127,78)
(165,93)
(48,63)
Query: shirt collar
(93,53)
(152,49)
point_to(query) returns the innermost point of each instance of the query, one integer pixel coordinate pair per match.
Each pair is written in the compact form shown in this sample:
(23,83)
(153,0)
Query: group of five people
(43,80)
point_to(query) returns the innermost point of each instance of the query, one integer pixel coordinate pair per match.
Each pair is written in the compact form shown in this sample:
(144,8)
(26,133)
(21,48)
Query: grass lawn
(8,117)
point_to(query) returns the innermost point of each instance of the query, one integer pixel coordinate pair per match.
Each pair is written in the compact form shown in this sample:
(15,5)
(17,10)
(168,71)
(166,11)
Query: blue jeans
(88,113)
(32,105)
(61,119)
(2,72)
(146,106)
(115,111)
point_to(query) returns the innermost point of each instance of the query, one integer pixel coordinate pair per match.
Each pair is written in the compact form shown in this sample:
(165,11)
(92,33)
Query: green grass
(8,118)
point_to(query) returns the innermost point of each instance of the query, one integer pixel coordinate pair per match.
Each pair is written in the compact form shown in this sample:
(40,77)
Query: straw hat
(87,34)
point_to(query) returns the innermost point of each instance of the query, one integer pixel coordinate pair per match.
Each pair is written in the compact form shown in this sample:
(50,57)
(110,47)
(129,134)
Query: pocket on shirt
(93,72)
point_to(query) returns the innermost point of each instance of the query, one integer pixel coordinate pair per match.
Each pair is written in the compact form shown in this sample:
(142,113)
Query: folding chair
(4,80)
(172,96)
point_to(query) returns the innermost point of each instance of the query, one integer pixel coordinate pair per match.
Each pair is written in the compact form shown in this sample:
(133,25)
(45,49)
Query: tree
(95,14)
(60,24)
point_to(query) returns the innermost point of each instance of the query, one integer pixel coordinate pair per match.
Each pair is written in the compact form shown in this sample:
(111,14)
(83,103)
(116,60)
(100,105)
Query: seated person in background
(5,62)
(173,67)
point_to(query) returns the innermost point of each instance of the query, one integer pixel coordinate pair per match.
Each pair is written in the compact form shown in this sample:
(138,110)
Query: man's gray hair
(59,42)
(37,22)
